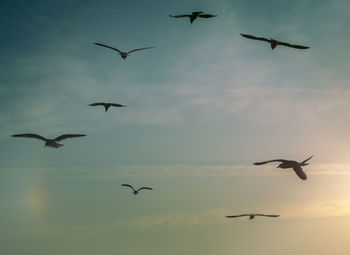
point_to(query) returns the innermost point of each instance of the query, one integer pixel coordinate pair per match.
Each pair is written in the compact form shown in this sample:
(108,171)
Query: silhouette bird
(252,215)
(274,43)
(123,54)
(53,143)
(107,105)
(136,191)
(193,16)
(290,164)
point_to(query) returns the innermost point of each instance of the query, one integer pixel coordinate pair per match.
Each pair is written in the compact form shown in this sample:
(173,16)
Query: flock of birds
(284,163)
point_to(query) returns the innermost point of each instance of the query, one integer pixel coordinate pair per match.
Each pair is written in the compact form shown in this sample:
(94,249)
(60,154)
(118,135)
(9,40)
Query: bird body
(285,164)
(274,43)
(123,54)
(107,105)
(135,192)
(53,143)
(193,16)
(252,215)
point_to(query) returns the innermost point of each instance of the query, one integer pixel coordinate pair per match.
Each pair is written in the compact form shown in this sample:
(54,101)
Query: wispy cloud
(311,210)
(317,209)
(173,171)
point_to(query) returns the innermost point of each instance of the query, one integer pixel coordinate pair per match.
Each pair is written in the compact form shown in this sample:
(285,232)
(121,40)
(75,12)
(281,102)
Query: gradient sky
(201,107)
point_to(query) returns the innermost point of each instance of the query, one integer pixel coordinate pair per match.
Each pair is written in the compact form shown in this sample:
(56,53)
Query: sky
(202,106)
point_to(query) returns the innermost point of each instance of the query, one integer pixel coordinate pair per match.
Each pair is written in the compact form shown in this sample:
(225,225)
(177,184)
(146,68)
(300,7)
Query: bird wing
(299,171)
(144,188)
(103,45)
(293,45)
(206,15)
(268,161)
(307,159)
(66,136)
(255,38)
(267,215)
(235,216)
(31,136)
(96,104)
(128,185)
(117,105)
(180,16)
(139,49)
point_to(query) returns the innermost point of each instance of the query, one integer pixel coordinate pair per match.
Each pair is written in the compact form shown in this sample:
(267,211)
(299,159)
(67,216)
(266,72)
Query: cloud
(317,209)
(177,170)
(312,210)
(171,221)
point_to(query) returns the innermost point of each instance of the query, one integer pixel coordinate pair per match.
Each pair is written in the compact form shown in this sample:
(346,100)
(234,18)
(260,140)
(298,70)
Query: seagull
(107,105)
(53,143)
(136,191)
(123,54)
(290,164)
(252,215)
(274,43)
(193,16)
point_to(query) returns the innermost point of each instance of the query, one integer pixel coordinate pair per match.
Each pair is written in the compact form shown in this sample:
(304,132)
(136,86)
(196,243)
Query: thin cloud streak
(172,171)
(312,210)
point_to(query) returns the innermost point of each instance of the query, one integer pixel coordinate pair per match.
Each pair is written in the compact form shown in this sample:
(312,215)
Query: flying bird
(123,54)
(53,143)
(274,43)
(136,191)
(290,164)
(107,105)
(252,215)
(193,16)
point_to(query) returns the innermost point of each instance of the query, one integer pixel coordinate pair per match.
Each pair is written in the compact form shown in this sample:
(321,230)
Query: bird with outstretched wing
(252,215)
(53,143)
(136,191)
(107,105)
(123,54)
(194,16)
(274,43)
(296,166)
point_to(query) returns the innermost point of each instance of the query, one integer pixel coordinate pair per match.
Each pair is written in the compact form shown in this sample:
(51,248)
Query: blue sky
(201,107)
